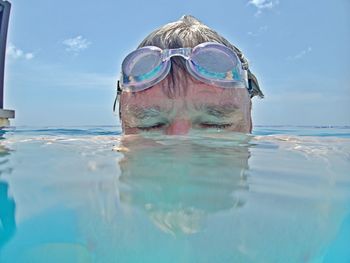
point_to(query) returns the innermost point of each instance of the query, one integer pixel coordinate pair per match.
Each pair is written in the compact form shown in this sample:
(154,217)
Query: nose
(178,127)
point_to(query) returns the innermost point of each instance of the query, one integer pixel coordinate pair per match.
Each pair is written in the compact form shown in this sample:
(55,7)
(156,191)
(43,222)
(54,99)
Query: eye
(215,125)
(153,127)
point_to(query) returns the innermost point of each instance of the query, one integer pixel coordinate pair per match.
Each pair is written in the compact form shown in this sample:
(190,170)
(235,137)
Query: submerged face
(197,106)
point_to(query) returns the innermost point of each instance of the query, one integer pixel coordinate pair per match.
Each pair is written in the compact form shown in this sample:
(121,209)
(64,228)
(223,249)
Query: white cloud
(263,4)
(16,53)
(300,54)
(76,44)
(29,56)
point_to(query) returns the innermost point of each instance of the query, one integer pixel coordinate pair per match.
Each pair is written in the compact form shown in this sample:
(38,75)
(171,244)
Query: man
(185,76)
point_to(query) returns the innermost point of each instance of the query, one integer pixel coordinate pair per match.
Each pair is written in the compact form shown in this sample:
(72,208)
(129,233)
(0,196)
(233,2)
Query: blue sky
(63,57)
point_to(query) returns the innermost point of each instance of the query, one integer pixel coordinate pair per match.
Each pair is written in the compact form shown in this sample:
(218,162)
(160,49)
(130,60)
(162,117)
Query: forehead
(189,92)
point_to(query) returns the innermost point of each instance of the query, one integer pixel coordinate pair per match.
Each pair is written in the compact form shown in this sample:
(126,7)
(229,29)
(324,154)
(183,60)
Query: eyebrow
(218,111)
(143,113)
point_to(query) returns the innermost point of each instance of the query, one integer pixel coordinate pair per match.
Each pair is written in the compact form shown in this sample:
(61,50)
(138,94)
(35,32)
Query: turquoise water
(88,194)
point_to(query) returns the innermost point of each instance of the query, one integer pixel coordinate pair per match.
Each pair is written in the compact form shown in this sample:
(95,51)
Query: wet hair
(188,31)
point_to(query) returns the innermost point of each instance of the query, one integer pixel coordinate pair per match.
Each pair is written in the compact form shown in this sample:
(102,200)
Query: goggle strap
(119,92)
(253,85)
(244,61)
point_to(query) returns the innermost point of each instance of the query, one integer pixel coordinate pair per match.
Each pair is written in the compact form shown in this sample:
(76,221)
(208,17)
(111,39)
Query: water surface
(88,194)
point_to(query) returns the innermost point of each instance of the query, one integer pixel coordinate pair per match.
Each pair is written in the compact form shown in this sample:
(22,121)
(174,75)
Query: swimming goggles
(209,62)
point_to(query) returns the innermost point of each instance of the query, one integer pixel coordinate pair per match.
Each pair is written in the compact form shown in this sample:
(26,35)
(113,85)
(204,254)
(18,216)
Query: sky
(63,57)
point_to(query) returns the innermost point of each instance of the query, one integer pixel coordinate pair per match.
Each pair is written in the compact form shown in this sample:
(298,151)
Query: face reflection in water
(178,182)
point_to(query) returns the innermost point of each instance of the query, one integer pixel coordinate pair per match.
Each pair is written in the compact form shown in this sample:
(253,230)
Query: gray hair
(188,31)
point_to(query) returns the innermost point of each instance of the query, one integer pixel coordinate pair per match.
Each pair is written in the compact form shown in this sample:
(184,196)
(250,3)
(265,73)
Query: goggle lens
(142,63)
(214,61)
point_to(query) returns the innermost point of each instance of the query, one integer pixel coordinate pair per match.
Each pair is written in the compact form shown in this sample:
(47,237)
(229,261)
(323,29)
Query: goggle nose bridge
(181,52)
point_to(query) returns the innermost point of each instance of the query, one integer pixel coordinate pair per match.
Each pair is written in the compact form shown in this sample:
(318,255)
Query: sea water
(90,194)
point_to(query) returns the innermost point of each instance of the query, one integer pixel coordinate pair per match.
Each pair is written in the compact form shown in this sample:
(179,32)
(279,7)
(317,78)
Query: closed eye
(153,127)
(215,125)
(158,126)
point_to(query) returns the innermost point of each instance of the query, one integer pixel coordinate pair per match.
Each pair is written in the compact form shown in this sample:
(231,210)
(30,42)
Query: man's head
(181,102)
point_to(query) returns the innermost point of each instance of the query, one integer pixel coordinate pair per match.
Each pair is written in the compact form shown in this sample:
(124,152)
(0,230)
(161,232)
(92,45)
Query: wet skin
(202,106)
